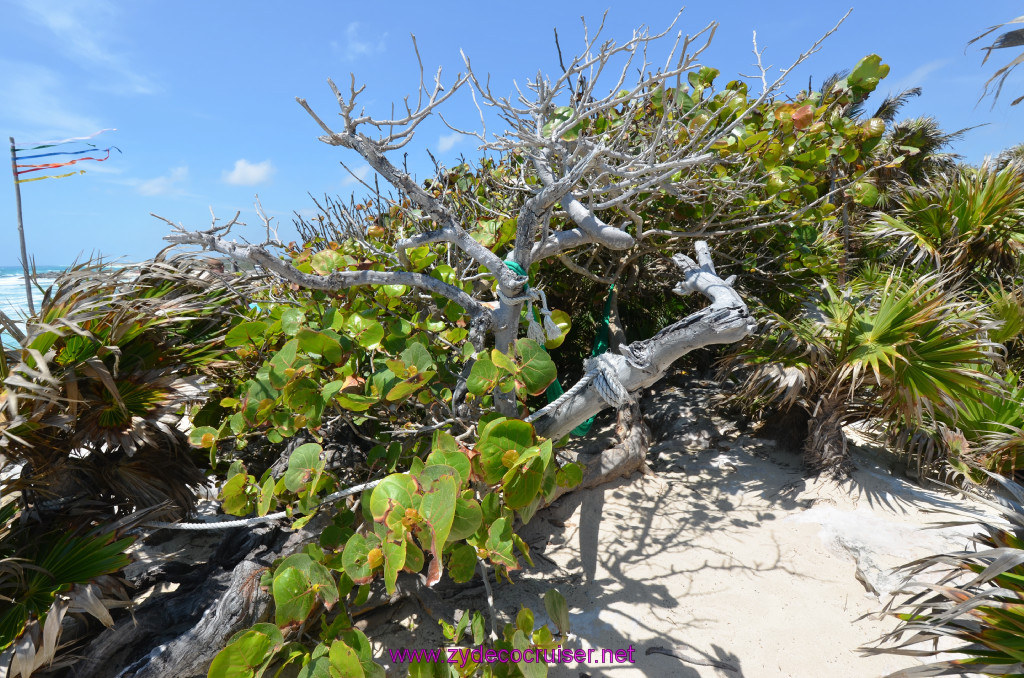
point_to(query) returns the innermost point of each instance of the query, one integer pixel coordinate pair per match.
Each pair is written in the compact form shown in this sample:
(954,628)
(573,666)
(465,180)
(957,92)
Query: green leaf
(534,669)
(291,320)
(302,581)
(355,402)
(303,465)
(404,389)
(355,558)
(367,332)
(462,563)
(538,370)
(437,508)
(319,667)
(234,495)
(245,333)
(457,460)
(203,436)
(482,377)
(357,640)
(865,193)
(522,483)
(496,440)
(247,653)
(468,517)
(266,497)
(395,490)
(444,442)
(284,360)
(312,341)
(417,354)
(394,561)
(303,397)
(414,558)
(558,610)
(327,261)
(503,362)
(569,475)
(344,661)
(564,323)
(868,72)
(499,545)
(524,621)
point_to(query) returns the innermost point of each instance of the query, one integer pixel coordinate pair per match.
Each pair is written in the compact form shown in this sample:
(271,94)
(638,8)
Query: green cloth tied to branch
(601,343)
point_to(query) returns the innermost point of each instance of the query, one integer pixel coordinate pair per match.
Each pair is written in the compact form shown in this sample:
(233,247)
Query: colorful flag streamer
(54,165)
(52,176)
(45,155)
(49,144)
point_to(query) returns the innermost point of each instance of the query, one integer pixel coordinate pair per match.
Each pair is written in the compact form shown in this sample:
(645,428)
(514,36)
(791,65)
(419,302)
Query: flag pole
(21,229)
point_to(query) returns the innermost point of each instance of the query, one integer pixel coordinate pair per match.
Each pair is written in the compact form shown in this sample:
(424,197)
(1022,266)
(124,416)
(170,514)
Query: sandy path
(729,551)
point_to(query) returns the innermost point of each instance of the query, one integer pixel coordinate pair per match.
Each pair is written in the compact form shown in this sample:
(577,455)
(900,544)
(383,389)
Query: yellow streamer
(52,176)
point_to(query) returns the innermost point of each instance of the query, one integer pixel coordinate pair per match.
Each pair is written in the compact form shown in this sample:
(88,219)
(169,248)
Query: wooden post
(21,230)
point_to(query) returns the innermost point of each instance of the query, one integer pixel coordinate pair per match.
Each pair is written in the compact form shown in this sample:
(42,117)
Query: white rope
(606,381)
(549,331)
(245,522)
(601,371)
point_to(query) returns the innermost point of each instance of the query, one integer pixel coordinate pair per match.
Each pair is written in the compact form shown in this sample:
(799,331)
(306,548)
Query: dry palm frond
(106,369)
(984,611)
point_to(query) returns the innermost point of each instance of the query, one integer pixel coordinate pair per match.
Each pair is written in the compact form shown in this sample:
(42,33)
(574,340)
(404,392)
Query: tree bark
(826,450)
(642,363)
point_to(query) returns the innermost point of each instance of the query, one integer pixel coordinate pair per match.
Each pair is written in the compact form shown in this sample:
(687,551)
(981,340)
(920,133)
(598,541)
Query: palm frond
(978,599)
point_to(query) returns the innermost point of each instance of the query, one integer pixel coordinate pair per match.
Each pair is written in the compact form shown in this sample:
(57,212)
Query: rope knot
(606,381)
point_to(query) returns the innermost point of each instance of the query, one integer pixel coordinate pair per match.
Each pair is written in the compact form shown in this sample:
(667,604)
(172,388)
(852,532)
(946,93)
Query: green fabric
(601,339)
(517,269)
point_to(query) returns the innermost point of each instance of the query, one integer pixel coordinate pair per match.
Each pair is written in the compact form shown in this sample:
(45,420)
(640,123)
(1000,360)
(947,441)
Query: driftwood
(179,633)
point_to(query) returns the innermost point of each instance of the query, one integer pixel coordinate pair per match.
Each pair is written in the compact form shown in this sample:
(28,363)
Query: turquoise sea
(12,290)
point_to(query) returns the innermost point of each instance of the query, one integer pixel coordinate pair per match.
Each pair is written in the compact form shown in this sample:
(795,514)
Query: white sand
(728,551)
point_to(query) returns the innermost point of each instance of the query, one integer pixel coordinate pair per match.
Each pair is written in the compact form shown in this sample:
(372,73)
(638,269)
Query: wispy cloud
(170,183)
(247,173)
(448,141)
(919,75)
(361,172)
(82,30)
(359,42)
(33,102)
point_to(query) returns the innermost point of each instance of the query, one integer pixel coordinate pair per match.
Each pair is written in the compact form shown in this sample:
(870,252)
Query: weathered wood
(642,363)
(180,632)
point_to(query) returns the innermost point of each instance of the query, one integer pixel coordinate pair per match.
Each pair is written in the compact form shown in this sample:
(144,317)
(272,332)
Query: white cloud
(82,29)
(359,42)
(247,173)
(361,173)
(447,141)
(32,100)
(167,184)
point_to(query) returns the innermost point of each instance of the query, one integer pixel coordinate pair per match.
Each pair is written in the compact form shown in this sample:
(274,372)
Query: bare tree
(582,186)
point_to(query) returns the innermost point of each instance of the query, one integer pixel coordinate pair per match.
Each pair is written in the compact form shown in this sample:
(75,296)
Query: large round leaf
(396,490)
(497,440)
(538,370)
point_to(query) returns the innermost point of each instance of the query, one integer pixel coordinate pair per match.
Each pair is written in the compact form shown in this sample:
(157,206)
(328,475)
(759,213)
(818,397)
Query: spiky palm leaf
(894,351)
(969,223)
(104,370)
(984,611)
(43,577)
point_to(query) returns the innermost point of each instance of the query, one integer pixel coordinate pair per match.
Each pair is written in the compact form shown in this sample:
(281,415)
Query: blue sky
(203,93)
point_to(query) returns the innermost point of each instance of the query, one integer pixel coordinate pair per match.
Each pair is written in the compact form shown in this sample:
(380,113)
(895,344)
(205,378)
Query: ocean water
(12,292)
